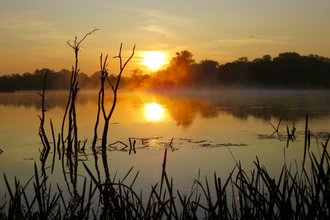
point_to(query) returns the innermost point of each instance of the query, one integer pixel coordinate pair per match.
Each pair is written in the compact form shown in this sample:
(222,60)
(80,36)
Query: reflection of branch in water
(63,171)
(276,129)
(42,134)
(84,144)
(43,157)
(54,142)
(115,147)
(278,135)
(132,146)
(73,167)
(96,165)
(105,166)
(171,144)
(291,136)
(1,151)
(265,136)
(69,164)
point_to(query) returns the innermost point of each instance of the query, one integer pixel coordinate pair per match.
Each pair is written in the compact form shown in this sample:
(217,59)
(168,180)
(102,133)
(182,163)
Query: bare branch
(95,29)
(76,46)
(114,90)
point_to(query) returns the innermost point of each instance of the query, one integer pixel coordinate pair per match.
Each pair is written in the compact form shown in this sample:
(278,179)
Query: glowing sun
(154,59)
(154,111)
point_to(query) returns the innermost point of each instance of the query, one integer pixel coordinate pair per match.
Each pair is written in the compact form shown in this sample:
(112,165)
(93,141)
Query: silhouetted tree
(83,79)
(138,80)
(267,58)
(180,66)
(136,73)
(204,73)
(183,59)
(287,55)
(235,73)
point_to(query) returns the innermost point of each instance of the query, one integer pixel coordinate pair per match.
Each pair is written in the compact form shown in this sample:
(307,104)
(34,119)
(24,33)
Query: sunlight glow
(154,111)
(154,59)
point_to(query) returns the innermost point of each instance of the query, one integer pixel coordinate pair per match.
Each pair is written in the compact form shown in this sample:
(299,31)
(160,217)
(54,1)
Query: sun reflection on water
(154,112)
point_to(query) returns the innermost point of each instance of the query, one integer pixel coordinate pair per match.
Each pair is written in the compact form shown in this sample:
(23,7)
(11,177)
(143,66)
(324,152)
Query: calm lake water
(205,131)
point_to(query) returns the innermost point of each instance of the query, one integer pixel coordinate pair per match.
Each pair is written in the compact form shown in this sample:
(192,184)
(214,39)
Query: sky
(34,33)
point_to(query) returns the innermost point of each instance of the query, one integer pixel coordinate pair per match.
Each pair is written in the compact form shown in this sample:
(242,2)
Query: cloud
(250,40)
(22,21)
(155,15)
(161,22)
(165,46)
(29,25)
(157,29)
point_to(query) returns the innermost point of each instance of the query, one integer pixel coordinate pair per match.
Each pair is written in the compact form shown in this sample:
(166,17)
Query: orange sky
(34,33)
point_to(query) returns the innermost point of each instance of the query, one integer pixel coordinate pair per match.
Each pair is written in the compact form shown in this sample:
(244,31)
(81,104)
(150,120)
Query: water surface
(206,131)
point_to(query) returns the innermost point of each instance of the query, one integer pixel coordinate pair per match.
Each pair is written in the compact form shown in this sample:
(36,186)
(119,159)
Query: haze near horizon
(35,33)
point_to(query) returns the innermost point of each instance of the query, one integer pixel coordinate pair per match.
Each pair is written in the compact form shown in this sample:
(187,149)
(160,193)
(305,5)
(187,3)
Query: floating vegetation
(157,143)
(197,142)
(210,144)
(321,134)
(140,144)
(267,136)
(29,158)
(222,145)
(232,145)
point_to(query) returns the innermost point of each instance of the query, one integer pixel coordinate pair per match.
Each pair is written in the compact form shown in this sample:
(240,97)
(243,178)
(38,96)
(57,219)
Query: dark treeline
(287,71)
(55,80)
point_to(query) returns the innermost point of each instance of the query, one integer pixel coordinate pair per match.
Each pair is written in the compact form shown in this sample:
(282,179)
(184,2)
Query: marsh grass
(44,203)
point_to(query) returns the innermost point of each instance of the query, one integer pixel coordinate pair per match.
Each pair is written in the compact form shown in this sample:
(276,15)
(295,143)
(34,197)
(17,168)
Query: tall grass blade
(306,138)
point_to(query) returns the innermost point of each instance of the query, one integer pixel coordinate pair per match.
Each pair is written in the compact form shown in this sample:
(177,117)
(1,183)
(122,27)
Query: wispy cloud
(29,25)
(250,40)
(161,22)
(155,15)
(157,29)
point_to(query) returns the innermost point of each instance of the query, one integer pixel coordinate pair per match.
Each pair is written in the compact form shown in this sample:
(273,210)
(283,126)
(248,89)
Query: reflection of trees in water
(183,112)
(183,107)
(269,113)
(32,99)
(262,104)
(53,100)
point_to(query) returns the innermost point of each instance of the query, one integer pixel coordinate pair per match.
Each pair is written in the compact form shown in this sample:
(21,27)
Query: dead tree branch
(70,110)
(101,96)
